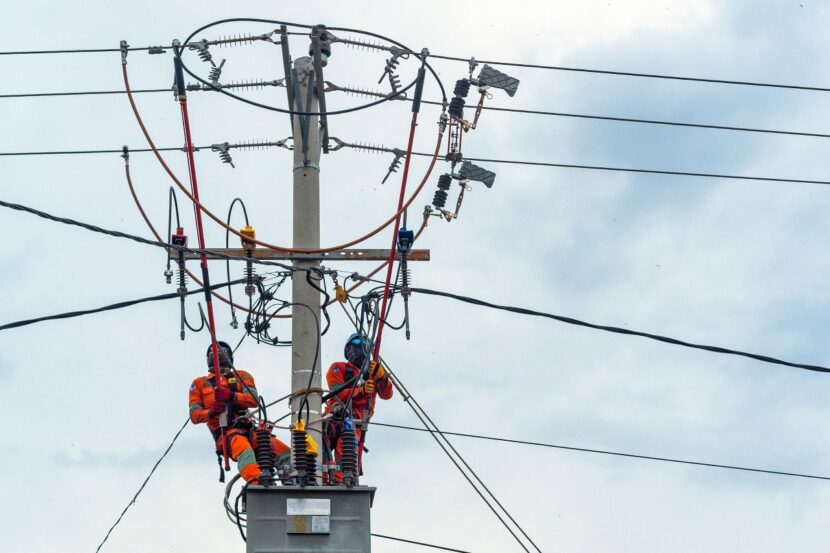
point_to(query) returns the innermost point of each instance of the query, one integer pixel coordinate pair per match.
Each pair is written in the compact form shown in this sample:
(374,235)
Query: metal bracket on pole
(304,119)
(286,64)
(321,94)
(351,254)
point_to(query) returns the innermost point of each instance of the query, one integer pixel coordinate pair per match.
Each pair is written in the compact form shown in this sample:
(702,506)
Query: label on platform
(296,506)
(319,524)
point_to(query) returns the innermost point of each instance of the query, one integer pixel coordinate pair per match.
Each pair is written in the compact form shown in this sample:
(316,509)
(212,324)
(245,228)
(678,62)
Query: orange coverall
(337,376)
(202,396)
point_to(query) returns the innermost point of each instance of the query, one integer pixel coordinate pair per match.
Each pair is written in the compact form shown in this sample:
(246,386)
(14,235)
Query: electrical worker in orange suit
(208,401)
(344,379)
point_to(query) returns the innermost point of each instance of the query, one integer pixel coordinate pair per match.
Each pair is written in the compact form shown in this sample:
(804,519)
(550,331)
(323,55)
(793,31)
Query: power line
(618,330)
(493,108)
(114,306)
(433,546)
(637,170)
(141,488)
(641,75)
(139,239)
(81,93)
(648,121)
(483,160)
(454,456)
(606,452)
(505,64)
(73,51)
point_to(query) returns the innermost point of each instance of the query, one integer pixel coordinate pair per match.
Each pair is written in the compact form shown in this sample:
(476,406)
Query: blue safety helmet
(355,349)
(225,355)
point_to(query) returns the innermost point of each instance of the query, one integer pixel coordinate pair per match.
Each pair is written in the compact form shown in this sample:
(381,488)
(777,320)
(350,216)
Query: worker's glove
(379,372)
(223,394)
(310,445)
(337,409)
(217,408)
(369,387)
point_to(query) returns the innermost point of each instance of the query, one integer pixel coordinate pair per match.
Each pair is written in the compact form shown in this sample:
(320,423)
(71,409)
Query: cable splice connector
(125,48)
(154,50)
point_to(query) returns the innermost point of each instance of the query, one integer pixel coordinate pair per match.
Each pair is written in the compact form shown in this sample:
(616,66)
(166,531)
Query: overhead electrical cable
(493,108)
(633,74)
(143,484)
(483,160)
(618,330)
(481,489)
(111,307)
(467,60)
(140,240)
(422,544)
(606,452)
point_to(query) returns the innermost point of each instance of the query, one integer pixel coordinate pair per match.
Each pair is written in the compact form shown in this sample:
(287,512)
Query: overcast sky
(92,402)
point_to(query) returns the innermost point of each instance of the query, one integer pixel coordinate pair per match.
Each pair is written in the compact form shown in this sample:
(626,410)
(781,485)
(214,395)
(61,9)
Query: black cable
(647,121)
(73,51)
(508,110)
(139,239)
(433,546)
(489,160)
(606,452)
(227,245)
(416,407)
(140,489)
(82,93)
(491,62)
(423,417)
(99,151)
(111,307)
(632,74)
(618,330)
(634,170)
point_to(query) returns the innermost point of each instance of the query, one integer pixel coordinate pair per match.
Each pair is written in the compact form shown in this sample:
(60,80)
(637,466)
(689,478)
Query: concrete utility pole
(306,214)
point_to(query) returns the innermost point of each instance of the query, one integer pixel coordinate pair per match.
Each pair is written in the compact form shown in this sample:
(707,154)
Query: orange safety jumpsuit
(339,374)
(238,434)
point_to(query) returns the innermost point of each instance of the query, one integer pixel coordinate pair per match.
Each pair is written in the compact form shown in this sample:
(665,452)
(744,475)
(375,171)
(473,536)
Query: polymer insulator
(304,464)
(264,457)
(237,40)
(352,42)
(444,182)
(348,459)
(456,108)
(439,200)
(462,88)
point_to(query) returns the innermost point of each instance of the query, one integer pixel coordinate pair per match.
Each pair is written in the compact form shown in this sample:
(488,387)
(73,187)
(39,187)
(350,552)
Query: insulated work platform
(325,519)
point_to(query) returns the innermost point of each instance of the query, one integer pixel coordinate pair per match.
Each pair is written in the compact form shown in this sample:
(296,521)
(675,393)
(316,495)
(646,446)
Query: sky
(94,401)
